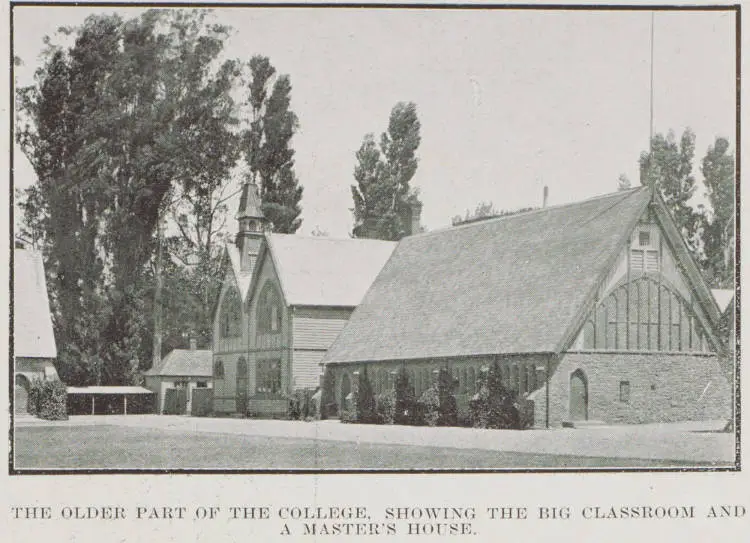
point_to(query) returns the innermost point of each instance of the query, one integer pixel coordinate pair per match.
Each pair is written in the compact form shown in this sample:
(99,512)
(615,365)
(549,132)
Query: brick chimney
(545,195)
(416,218)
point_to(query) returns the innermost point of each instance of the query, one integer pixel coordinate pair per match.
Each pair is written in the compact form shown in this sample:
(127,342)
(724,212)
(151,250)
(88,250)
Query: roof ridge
(327,238)
(625,193)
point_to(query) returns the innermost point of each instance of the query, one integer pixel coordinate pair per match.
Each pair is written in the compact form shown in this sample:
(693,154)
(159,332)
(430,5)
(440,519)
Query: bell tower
(252,224)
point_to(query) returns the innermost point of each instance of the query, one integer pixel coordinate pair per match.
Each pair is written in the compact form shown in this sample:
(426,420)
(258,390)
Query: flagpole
(651,101)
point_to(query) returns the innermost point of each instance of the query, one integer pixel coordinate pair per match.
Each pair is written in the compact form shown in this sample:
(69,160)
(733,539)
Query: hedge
(48,399)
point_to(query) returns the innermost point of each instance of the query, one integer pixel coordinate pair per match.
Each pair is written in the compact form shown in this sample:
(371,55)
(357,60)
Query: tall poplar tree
(718,225)
(383,197)
(134,109)
(669,165)
(267,145)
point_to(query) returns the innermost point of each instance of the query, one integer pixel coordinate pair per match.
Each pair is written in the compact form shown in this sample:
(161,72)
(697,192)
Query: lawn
(118,447)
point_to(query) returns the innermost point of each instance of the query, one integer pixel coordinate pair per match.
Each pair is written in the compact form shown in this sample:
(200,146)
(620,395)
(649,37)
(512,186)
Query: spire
(250,207)
(252,223)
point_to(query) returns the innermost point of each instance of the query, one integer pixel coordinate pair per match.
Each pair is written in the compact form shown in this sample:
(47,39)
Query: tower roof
(250,205)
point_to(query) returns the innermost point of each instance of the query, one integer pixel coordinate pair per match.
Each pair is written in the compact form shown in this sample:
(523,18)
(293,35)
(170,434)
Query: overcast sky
(509,101)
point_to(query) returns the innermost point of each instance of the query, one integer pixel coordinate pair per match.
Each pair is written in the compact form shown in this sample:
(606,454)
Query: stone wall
(661,387)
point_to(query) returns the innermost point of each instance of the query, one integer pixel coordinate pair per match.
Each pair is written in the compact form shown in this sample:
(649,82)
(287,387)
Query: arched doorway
(579,396)
(21,394)
(346,388)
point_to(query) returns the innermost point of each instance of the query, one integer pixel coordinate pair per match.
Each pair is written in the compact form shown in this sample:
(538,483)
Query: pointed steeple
(250,205)
(251,225)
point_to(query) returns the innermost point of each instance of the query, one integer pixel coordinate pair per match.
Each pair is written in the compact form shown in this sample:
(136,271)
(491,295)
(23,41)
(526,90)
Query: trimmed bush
(405,405)
(493,406)
(301,405)
(366,412)
(328,407)
(386,406)
(447,406)
(437,405)
(429,404)
(48,399)
(349,408)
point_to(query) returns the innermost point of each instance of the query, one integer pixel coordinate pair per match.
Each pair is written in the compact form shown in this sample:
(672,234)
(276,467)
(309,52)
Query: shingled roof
(514,284)
(33,335)
(184,363)
(321,271)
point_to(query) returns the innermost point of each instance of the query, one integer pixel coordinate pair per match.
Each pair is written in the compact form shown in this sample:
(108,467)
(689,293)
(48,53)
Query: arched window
(218,369)
(269,310)
(645,316)
(231,314)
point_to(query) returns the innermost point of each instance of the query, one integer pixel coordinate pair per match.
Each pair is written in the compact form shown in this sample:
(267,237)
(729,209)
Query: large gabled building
(284,300)
(594,310)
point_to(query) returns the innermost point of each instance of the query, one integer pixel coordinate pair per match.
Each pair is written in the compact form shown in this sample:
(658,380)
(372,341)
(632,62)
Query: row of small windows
(643,315)
(521,378)
(267,375)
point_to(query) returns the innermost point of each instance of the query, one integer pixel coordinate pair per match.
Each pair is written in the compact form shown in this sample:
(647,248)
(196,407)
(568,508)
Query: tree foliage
(133,111)
(669,166)
(718,225)
(708,231)
(267,145)
(383,198)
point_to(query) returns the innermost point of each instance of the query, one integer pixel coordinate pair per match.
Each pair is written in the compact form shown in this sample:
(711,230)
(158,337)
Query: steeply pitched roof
(514,284)
(185,363)
(243,278)
(33,335)
(320,271)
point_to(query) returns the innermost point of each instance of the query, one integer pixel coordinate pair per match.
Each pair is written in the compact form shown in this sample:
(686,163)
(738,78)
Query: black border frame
(736,8)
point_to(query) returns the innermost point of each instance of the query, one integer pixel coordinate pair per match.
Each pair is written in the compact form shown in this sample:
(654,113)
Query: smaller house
(34,345)
(177,378)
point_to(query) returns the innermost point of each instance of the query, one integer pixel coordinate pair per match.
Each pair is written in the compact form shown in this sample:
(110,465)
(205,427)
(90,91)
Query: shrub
(493,406)
(365,404)
(386,406)
(447,406)
(328,406)
(405,405)
(48,399)
(437,405)
(429,404)
(301,404)
(349,413)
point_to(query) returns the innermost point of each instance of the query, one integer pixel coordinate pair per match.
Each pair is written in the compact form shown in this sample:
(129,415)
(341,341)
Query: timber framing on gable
(706,310)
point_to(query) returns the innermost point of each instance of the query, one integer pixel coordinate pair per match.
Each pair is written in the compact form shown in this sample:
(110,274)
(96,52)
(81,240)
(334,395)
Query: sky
(509,101)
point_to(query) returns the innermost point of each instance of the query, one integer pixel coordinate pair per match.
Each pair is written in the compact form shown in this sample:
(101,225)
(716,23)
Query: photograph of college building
(594,310)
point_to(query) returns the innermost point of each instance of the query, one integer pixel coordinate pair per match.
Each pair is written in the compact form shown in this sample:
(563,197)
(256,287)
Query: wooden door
(579,396)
